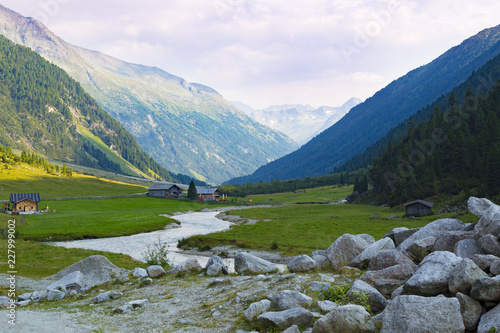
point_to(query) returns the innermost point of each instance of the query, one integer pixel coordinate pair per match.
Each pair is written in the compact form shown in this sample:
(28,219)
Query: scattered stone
(420,248)
(302,263)
(146,282)
(467,248)
(345,249)
(410,313)
(477,206)
(215,266)
(433,275)
(24,297)
(101,298)
(72,281)
(288,299)
(139,303)
(319,253)
(463,276)
(140,272)
(284,319)
(348,270)
(187,266)
(388,258)
(321,262)
(363,259)
(448,241)
(327,306)
(489,223)
(489,244)
(256,309)
(495,268)
(486,289)
(155,271)
(55,295)
(375,299)
(434,229)
(319,286)
(345,319)
(470,310)
(388,279)
(397,292)
(123,309)
(292,329)
(24,303)
(219,282)
(245,263)
(399,235)
(489,320)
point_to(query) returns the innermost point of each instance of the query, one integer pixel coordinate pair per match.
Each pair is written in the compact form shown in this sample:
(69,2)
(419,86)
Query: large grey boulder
(434,229)
(292,329)
(486,289)
(187,266)
(245,263)
(101,298)
(463,276)
(95,270)
(467,248)
(345,249)
(327,306)
(215,266)
(399,235)
(411,313)
(484,261)
(489,320)
(55,295)
(448,241)
(478,206)
(420,248)
(362,289)
(256,309)
(363,259)
(489,223)
(470,310)
(321,261)
(72,281)
(139,272)
(302,263)
(284,319)
(289,299)
(433,275)
(155,271)
(388,258)
(345,319)
(495,268)
(490,244)
(388,279)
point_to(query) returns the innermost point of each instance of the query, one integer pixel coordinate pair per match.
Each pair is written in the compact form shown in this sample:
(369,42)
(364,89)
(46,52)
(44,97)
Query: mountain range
(187,127)
(299,122)
(372,119)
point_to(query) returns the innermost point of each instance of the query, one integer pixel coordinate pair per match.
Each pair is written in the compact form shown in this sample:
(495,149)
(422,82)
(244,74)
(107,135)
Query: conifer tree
(192,192)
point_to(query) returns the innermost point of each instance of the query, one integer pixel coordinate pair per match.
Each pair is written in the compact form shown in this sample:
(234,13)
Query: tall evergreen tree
(192,192)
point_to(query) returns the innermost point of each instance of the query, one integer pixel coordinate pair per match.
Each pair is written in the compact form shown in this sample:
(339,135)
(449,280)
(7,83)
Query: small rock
(327,306)
(147,281)
(256,309)
(155,271)
(284,319)
(72,281)
(215,266)
(345,249)
(375,299)
(322,262)
(245,263)
(486,289)
(139,272)
(421,248)
(489,320)
(470,310)
(55,295)
(345,319)
(388,279)
(363,259)
(463,276)
(319,286)
(104,297)
(467,248)
(288,299)
(139,303)
(495,268)
(484,261)
(292,329)
(489,244)
(302,263)
(24,303)
(478,206)
(123,309)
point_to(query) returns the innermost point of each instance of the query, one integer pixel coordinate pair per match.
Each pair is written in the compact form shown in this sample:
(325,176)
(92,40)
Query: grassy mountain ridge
(369,121)
(49,113)
(186,127)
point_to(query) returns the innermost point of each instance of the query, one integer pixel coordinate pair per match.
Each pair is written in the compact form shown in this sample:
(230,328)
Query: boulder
(345,249)
(489,223)
(139,272)
(292,329)
(55,295)
(375,299)
(411,313)
(463,276)
(215,266)
(345,319)
(327,306)
(470,310)
(155,271)
(72,281)
(24,297)
(139,303)
(448,241)
(288,299)
(187,266)
(398,235)
(484,261)
(101,298)
(467,248)
(256,309)
(319,253)
(489,320)
(495,268)
(319,286)
(478,206)
(367,237)
(486,289)
(490,244)
(433,275)
(434,229)
(302,263)
(321,261)
(123,309)
(284,319)
(363,259)
(95,270)
(388,258)
(420,248)
(245,263)
(388,279)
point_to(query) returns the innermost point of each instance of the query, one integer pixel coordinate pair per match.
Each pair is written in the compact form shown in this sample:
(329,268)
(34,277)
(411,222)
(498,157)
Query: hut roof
(162,187)
(204,190)
(16,197)
(423,202)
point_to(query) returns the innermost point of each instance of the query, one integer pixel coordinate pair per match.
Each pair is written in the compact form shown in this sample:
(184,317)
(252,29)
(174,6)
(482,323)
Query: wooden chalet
(164,191)
(208,194)
(419,208)
(24,202)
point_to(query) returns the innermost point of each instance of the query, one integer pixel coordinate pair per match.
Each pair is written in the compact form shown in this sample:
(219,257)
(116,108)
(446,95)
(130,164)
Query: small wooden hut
(25,202)
(419,208)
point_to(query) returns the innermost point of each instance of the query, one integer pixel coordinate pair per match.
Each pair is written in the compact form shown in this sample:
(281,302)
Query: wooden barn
(24,202)
(164,191)
(419,208)
(208,194)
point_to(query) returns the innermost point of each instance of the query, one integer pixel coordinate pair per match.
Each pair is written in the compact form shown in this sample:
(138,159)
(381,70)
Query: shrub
(338,294)
(156,254)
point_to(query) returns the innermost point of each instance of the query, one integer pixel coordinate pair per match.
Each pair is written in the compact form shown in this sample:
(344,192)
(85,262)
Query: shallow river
(191,224)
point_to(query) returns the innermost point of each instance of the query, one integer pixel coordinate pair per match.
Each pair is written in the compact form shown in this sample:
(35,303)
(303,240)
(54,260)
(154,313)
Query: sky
(262,53)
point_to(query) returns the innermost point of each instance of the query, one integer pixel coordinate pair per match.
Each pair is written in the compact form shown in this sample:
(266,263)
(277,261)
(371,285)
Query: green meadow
(319,194)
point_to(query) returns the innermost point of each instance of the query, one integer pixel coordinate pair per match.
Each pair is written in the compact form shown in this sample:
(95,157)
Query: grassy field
(94,218)
(23,178)
(320,194)
(297,229)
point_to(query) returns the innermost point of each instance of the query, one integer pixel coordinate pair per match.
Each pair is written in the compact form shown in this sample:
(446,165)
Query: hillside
(369,121)
(188,128)
(47,112)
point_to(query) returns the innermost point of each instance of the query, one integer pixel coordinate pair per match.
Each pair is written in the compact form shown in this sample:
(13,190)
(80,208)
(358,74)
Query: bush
(157,254)
(338,294)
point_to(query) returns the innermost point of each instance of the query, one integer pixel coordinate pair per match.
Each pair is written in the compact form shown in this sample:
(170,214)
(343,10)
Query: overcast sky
(261,53)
